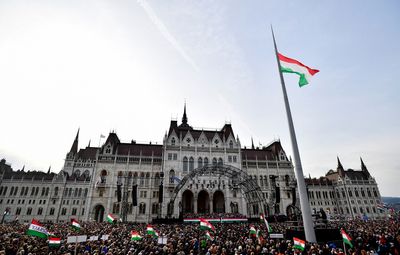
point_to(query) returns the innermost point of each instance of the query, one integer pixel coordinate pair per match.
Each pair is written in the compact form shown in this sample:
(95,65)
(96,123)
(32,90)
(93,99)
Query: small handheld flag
(299,244)
(346,238)
(110,218)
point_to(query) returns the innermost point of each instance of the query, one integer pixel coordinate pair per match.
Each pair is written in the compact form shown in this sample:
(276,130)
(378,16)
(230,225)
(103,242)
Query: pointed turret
(364,168)
(89,143)
(184,118)
(252,143)
(340,168)
(48,171)
(74,147)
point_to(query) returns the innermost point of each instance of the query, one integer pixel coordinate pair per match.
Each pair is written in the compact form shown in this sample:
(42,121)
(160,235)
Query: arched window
(185,164)
(76,192)
(29,211)
(103,176)
(230,144)
(157,180)
(147,180)
(362,192)
(350,193)
(56,191)
(22,191)
(191,164)
(154,208)
(171,176)
(173,141)
(142,179)
(142,208)
(47,191)
(375,193)
(77,173)
(26,191)
(214,161)
(135,179)
(43,191)
(80,192)
(15,191)
(86,192)
(200,162)
(287,180)
(220,162)
(205,161)
(40,211)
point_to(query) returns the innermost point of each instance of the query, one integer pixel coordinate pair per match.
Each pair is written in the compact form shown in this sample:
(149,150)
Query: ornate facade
(140,182)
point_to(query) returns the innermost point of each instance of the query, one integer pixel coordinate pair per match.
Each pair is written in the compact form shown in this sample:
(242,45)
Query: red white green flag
(110,218)
(209,236)
(150,230)
(54,241)
(263,219)
(75,224)
(253,231)
(36,229)
(135,236)
(346,238)
(299,244)
(204,224)
(289,65)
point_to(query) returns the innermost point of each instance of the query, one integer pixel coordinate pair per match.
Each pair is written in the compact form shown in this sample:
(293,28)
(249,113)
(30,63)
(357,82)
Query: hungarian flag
(75,224)
(289,65)
(299,244)
(110,218)
(135,236)
(259,237)
(54,241)
(263,219)
(156,234)
(346,238)
(35,229)
(253,231)
(150,230)
(209,236)
(204,224)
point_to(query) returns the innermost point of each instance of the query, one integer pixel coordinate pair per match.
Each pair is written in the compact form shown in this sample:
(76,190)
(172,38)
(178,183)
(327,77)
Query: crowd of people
(369,238)
(214,215)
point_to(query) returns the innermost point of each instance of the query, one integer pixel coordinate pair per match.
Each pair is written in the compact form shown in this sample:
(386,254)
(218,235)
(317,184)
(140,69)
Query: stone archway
(218,202)
(239,179)
(99,213)
(203,202)
(187,201)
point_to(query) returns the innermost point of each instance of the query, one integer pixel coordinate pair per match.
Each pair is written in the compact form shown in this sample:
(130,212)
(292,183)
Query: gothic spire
(74,147)
(184,118)
(252,143)
(363,167)
(340,168)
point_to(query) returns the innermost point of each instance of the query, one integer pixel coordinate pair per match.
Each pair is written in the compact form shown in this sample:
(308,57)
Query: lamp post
(124,181)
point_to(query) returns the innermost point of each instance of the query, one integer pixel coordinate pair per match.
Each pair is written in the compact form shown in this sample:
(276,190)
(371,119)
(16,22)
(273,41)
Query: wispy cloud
(164,31)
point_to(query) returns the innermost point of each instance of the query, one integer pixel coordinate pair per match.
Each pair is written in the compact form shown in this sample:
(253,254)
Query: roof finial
(89,143)
(74,147)
(364,167)
(184,118)
(340,168)
(48,171)
(252,143)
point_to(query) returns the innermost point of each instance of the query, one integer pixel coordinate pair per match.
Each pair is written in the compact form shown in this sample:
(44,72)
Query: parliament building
(194,171)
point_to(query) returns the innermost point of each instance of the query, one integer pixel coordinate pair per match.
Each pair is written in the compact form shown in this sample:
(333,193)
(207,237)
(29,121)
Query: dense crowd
(369,238)
(214,215)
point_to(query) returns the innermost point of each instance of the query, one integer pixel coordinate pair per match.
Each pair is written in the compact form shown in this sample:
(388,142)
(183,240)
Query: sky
(129,66)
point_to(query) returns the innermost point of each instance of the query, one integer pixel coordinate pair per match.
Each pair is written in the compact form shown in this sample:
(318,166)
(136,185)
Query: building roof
(270,152)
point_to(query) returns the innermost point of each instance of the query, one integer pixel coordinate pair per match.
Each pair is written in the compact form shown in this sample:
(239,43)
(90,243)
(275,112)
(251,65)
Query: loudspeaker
(134,195)
(119,193)
(277,195)
(160,193)
(293,196)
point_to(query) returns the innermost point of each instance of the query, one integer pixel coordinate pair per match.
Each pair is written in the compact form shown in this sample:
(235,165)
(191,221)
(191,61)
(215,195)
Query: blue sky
(129,65)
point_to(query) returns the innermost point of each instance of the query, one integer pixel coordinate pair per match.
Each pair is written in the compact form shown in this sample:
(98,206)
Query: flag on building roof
(346,238)
(110,218)
(289,65)
(54,241)
(209,236)
(299,244)
(150,230)
(75,224)
(253,231)
(36,229)
(204,224)
(263,219)
(135,236)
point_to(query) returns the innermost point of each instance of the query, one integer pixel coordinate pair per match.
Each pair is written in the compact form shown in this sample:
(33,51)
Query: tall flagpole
(301,185)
